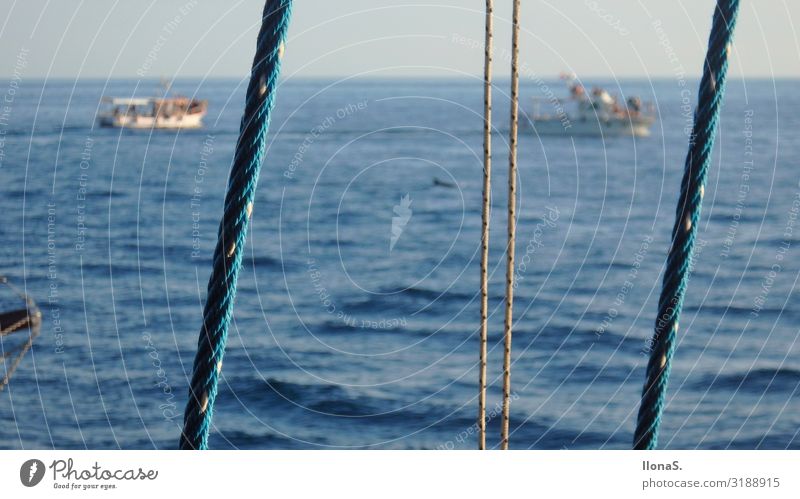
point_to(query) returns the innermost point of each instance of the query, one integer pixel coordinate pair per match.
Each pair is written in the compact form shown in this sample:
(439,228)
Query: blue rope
(712,88)
(233,227)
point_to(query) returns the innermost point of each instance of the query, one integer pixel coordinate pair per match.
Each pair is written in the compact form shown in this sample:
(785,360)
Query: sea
(356,322)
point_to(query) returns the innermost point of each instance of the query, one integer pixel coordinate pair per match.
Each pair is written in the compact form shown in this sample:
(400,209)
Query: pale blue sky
(123,38)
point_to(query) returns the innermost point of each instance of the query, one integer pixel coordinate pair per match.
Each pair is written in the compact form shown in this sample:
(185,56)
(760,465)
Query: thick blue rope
(233,227)
(712,88)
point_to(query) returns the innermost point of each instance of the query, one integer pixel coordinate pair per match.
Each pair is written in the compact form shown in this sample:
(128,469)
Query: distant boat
(153,112)
(596,113)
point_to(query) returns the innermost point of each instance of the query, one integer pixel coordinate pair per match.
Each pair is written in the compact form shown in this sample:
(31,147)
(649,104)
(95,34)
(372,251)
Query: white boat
(153,112)
(596,114)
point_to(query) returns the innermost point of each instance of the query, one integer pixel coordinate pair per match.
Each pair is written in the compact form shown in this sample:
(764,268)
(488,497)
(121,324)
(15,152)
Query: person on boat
(602,96)
(634,106)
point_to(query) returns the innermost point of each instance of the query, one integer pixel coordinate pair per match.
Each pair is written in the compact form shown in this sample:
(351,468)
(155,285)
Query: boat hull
(593,127)
(194,120)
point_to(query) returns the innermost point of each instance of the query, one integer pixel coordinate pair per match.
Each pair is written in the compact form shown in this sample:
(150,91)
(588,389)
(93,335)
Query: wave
(325,398)
(50,131)
(376,132)
(98,268)
(404,301)
(725,216)
(757,381)
(733,310)
(612,267)
(243,439)
(431,294)
(385,326)
(262,261)
(764,442)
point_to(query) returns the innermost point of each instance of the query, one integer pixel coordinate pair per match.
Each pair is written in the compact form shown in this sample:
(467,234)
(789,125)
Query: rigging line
(485,215)
(676,274)
(239,198)
(512,195)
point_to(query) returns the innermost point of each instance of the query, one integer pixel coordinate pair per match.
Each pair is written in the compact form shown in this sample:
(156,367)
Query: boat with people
(153,112)
(594,113)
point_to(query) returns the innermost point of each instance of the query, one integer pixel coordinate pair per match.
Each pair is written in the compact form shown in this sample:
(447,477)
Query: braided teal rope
(233,227)
(712,88)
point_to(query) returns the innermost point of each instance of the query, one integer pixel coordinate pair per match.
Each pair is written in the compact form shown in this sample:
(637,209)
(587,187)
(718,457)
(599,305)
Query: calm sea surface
(357,312)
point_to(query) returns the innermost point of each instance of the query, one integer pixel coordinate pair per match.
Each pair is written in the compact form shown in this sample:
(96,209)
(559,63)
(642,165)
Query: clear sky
(329,38)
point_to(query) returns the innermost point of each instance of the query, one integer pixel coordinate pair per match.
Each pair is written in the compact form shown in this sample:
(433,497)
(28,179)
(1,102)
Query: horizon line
(555,77)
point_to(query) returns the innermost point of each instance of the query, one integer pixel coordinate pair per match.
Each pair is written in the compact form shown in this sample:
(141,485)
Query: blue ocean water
(357,313)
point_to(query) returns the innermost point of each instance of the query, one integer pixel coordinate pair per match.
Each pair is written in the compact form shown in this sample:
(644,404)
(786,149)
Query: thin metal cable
(512,198)
(485,215)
